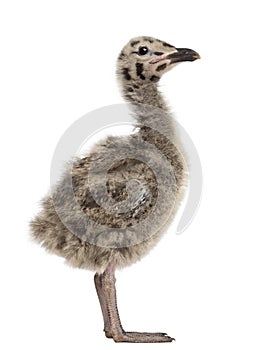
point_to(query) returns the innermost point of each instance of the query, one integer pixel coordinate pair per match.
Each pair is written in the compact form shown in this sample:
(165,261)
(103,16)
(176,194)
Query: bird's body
(57,238)
(124,240)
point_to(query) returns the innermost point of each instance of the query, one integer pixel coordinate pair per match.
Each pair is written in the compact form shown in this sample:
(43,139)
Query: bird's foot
(141,337)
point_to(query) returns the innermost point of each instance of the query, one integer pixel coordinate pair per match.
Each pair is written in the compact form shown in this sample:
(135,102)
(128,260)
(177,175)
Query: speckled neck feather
(140,91)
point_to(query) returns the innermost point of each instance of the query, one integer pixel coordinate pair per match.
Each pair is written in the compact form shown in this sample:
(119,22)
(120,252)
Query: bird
(112,206)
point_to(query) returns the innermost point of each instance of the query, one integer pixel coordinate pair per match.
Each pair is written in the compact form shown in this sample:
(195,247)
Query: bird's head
(146,59)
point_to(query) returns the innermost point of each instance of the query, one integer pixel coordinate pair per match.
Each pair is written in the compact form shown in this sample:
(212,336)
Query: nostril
(157,53)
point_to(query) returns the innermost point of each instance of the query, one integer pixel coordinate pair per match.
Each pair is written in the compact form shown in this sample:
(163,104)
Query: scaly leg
(103,304)
(105,286)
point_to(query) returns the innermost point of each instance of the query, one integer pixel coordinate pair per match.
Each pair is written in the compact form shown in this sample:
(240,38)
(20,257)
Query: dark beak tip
(197,56)
(183,55)
(191,54)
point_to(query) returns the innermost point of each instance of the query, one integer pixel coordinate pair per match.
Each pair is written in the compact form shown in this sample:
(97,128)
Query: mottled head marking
(144,60)
(139,70)
(134,42)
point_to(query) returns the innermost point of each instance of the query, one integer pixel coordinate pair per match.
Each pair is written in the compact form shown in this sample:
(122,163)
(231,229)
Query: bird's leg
(113,327)
(102,300)
(103,304)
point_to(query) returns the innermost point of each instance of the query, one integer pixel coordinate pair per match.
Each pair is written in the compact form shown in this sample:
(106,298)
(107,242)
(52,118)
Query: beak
(183,55)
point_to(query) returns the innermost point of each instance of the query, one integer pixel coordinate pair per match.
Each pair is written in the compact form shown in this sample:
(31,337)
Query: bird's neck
(148,105)
(145,93)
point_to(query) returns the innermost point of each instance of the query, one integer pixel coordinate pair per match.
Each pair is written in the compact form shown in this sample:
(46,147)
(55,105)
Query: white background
(57,63)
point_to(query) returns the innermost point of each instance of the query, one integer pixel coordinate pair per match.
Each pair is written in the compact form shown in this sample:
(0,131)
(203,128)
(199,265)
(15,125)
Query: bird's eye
(143,50)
